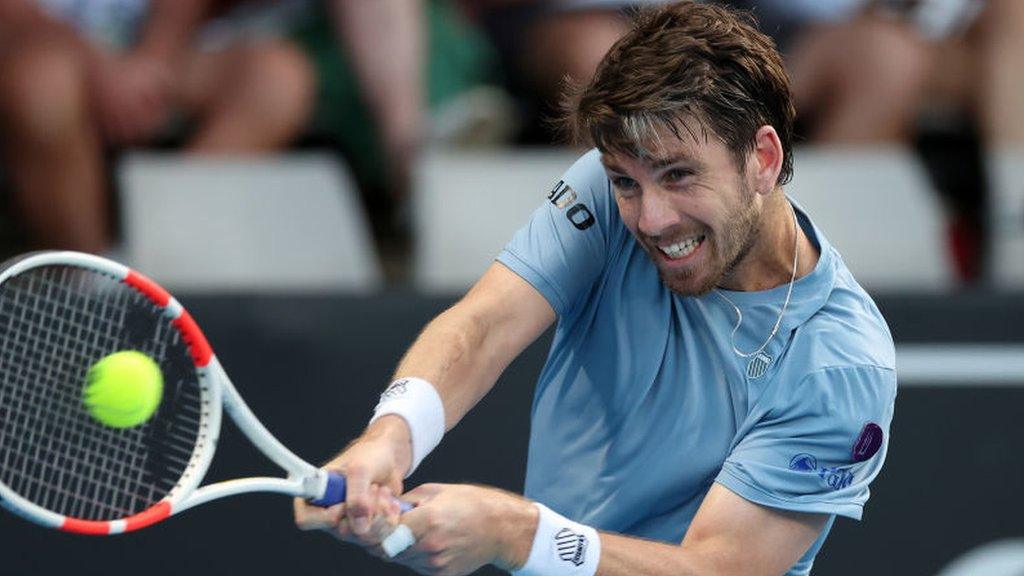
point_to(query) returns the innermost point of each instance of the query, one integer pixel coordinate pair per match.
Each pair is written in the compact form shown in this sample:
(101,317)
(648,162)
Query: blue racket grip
(336,490)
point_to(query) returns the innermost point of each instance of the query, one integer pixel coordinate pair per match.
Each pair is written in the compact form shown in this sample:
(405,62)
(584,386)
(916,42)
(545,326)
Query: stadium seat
(278,224)
(876,206)
(1006,217)
(467,205)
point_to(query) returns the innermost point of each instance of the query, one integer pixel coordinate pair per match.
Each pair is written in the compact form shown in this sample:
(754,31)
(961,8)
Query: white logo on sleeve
(571,547)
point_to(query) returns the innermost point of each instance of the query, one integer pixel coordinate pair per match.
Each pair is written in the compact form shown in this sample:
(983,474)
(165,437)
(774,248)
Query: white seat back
(276,224)
(876,206)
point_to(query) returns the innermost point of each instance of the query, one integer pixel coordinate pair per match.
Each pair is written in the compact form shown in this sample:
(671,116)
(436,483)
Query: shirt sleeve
(819,445)
(563,249)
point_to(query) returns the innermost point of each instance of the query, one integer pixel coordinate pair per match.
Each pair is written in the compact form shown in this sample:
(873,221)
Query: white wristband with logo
(419,404)
(561,547)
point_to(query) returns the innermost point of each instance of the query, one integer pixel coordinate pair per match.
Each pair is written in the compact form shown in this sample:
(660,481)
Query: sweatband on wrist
(561,547)
(419,404)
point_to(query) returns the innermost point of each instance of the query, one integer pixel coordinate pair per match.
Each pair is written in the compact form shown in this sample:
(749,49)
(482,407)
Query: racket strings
(55,322)
(46,458)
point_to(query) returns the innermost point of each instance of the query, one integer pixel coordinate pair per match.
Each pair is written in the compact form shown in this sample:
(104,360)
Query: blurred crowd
(378,80)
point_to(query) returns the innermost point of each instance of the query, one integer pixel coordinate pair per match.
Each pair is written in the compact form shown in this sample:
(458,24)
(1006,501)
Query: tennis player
(719,387)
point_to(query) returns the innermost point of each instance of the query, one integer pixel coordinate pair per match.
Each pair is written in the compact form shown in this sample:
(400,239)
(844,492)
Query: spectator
(394,75)
(83,78)
(541,42)
(875,75)
(391,80)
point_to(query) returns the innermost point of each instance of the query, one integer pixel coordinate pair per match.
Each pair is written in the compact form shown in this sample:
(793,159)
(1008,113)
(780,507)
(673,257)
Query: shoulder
(848,330)
(583,188)
(583,196)
(587,171)
(843,356)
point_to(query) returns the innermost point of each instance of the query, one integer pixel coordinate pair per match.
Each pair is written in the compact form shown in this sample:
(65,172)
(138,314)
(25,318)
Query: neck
(770,261)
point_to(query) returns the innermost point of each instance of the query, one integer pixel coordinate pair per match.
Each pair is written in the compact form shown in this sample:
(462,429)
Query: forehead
(667,149)
(652,139)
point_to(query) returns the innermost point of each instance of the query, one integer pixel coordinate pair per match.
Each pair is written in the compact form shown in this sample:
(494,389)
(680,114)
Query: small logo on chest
(758,365)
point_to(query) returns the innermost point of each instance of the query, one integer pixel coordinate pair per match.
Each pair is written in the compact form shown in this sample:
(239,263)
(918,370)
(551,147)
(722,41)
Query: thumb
(413,528)
(416,523)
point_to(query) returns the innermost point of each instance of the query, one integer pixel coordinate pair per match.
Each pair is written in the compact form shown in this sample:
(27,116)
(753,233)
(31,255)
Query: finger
(379,530)
(391,507)
(314,518)
(360,501)
(388,513)
(415,524)
(343,531)
(398,541)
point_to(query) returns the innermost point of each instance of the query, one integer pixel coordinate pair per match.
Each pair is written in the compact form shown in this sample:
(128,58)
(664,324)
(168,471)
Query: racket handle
(336,490)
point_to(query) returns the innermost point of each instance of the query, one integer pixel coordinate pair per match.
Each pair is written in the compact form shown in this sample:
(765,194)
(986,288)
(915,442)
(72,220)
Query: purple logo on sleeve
(868,443)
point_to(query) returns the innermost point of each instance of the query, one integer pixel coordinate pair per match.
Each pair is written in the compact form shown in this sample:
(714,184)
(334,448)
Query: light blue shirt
(643,403)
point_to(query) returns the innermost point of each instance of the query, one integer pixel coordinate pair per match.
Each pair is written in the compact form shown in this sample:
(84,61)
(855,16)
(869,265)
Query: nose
(656,213)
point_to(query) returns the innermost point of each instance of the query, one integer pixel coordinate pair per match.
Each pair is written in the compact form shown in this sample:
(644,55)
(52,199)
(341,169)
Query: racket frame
(217,394)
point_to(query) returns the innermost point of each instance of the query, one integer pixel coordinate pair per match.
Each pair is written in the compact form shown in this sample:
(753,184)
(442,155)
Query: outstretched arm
(461,353)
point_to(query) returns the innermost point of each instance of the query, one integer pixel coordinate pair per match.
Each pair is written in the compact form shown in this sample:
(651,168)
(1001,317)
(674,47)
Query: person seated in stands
(887,71)
(83,78)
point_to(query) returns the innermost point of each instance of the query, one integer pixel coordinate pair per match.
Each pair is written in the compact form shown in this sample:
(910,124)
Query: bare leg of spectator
(52,147)
(1002,79)
(861,81)
(385,41)
(568,44)
(247,98)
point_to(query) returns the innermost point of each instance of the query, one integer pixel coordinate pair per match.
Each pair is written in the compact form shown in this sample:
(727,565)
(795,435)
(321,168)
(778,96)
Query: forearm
(624,555)
(729,536)
(631,556)
(458,354)
(464,350)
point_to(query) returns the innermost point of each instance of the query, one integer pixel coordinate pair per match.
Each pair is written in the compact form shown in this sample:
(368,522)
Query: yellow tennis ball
(123,389)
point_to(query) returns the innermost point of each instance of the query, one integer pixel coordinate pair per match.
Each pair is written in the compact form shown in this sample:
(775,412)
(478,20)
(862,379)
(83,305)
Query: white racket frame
(216,392)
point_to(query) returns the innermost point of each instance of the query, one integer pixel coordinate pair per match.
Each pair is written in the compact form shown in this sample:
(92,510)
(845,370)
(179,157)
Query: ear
(766,160)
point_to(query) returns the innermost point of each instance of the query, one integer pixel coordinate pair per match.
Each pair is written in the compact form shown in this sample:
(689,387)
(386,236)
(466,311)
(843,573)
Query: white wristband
(419,404)
(561,547)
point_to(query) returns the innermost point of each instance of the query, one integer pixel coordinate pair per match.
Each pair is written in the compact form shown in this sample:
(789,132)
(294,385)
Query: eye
(676,174)
(624,186)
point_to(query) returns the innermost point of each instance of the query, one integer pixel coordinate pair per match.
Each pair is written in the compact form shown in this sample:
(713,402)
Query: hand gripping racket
(60,312)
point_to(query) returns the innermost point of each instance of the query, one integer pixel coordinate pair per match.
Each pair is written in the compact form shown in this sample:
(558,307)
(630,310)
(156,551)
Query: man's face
(690,208)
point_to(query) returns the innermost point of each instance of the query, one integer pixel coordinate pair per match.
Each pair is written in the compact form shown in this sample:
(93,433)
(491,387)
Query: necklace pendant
(758,365)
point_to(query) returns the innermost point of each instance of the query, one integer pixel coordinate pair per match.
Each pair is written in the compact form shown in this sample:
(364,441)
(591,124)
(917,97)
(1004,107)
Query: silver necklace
(789,293)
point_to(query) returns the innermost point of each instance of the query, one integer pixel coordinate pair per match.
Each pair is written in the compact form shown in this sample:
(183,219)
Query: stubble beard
(737,241)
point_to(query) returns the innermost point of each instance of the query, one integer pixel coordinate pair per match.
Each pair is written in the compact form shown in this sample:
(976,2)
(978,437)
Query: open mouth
(683,248)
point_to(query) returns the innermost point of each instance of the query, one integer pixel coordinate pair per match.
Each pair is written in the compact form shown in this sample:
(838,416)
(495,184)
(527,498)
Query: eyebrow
(654,163)
(610,166)
(659,163)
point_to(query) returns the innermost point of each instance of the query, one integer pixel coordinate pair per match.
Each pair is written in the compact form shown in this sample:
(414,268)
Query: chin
(689,284)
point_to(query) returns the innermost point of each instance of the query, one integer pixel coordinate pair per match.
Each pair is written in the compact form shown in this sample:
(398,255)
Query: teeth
(683,248)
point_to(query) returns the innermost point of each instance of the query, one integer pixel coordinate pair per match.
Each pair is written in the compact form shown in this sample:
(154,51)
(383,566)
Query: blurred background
(315,179)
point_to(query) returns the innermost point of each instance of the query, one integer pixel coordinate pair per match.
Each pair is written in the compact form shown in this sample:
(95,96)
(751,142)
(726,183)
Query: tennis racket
(60,312)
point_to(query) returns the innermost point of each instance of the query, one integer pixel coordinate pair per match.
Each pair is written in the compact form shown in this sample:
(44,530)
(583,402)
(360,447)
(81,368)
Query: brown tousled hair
(683,64)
